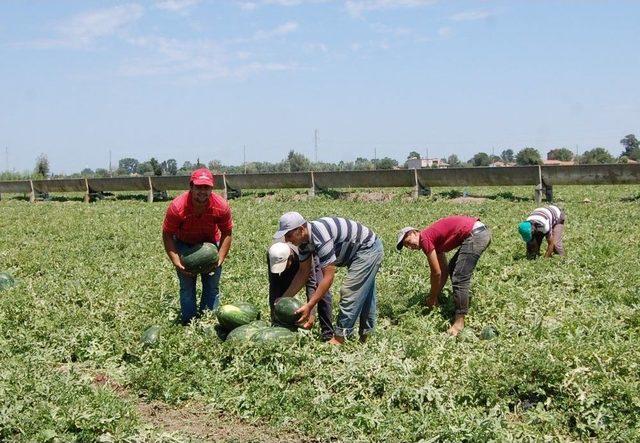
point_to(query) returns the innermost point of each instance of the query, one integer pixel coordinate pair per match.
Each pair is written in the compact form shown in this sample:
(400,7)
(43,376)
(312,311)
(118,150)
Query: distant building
(501,164)
(420,163)
(558,163)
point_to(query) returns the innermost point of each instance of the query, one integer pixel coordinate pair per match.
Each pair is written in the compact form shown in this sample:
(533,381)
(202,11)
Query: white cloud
(445,32)
(194,60)
(357,7)
(279,31)
(176,5)
(467,16)
(81,30)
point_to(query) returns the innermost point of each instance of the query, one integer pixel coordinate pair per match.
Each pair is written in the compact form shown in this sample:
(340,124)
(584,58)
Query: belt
(478,229)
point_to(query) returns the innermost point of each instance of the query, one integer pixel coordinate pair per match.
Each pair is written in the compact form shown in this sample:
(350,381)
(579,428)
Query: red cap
(201,176)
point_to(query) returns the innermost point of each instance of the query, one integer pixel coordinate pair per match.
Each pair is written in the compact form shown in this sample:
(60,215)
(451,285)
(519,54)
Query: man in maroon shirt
(468,233)
(196,216)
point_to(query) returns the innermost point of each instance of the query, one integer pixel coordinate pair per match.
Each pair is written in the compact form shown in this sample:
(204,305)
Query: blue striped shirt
(336,240)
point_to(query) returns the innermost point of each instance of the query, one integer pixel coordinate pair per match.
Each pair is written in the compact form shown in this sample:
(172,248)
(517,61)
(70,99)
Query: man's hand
(305,317)
(180,267)
(309,323)
(431,302)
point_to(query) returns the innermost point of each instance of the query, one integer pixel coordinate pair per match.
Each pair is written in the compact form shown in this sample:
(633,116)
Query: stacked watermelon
(240,321)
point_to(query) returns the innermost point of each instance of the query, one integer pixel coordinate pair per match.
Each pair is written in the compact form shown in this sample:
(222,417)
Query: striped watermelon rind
(284,311)
(232,316)
(201,258)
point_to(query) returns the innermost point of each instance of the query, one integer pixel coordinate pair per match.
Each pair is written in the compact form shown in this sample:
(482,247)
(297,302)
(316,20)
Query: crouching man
(337,242)
(546,222)
(284,264)
(470,236)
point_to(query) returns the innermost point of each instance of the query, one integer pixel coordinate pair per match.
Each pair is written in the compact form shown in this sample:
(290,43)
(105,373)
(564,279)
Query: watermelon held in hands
(150,336)
(201,258)
(284,311)
(234,315)
(273,334)
(6,281)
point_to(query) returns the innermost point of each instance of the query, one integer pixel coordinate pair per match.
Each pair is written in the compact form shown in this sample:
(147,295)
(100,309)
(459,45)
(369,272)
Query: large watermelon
(284,311)
(237,314)
(273,334)
(201,258)
(150,336)
(6,281)
(245,332)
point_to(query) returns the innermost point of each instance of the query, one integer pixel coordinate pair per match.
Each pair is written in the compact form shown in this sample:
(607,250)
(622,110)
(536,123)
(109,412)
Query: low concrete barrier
(543,177)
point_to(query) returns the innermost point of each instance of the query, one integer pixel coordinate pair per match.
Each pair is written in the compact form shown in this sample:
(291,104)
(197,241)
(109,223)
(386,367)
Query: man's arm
(444,270)
(551,244)
(172,252)
(225,245)
(328,272)
(300,279)
(435,278)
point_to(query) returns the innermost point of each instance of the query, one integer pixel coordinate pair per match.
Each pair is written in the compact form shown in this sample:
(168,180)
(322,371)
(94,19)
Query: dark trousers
(462,265)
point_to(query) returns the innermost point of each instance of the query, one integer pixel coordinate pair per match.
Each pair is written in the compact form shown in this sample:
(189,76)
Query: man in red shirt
(196,216)
(448,233)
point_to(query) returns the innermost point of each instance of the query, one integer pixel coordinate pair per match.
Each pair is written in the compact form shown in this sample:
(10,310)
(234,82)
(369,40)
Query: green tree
(386,163)
(155,166)
(363,164)
(42,166)
(127,166)
(507,156)
(101,173)
(481,159)
(562,154)
(631,146)
(413,154)
(298,162)
(596,156)
(528,156)
(170,167)
(454,161)
(87,172)
(144,168)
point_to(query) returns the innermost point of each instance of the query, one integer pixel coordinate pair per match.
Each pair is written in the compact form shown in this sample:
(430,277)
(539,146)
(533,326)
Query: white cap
(288,222)
(402,234)
(278,256)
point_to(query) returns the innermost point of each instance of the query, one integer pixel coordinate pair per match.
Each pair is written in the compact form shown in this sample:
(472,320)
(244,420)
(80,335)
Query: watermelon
(6,281)
(273,334)
(245,332)
(201,258)
(488,333)
(284,311)
(238,314)
(150,336)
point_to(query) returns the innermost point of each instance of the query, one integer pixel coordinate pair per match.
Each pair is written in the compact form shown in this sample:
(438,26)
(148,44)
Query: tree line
(297,162)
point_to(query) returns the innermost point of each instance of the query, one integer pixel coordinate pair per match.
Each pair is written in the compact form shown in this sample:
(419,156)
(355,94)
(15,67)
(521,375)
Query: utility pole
(244,157)
(375,154)
(110,173)
(315,138)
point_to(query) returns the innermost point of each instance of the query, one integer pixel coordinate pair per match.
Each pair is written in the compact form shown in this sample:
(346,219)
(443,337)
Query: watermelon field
(91,278)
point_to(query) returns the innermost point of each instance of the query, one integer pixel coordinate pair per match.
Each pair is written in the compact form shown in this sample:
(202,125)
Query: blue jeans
(358,292)
(210,290)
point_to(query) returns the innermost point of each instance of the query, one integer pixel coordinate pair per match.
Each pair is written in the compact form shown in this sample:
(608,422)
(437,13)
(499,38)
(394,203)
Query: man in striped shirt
(337,242)
(546,222)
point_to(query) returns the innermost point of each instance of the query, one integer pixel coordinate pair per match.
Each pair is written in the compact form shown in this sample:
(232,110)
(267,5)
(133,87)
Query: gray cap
(402,234)
(288,222)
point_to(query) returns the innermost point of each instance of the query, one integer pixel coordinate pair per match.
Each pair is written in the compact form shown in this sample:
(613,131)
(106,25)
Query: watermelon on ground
(150,336)
(201,258)
(284,311)
(6,281)
(232,316)
(488,333)
(273,334)
(245,332)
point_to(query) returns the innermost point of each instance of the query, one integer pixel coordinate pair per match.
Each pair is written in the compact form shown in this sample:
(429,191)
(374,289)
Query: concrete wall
(525,175)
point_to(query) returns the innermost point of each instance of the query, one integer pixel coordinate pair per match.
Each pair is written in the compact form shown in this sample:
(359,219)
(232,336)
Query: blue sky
(191,79)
